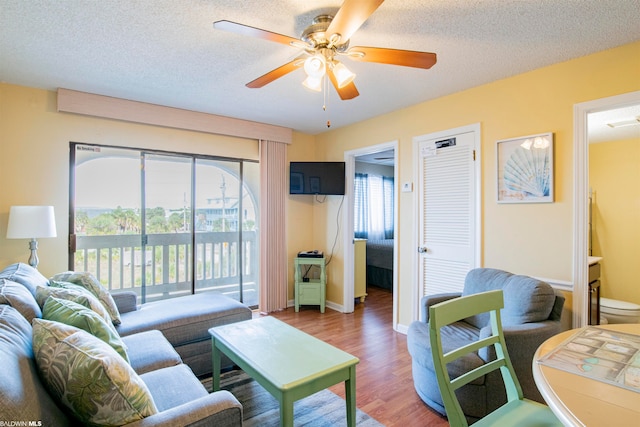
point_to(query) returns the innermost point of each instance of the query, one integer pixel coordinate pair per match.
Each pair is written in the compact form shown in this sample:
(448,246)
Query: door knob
(423,249)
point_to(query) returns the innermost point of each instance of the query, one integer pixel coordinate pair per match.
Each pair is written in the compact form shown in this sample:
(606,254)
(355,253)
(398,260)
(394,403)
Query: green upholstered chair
(517,411)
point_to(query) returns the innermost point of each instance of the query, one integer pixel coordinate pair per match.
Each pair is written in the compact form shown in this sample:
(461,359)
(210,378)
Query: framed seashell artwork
(525,169)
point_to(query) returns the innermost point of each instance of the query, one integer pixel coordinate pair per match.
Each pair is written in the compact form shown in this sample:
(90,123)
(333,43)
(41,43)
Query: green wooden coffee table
(287,362)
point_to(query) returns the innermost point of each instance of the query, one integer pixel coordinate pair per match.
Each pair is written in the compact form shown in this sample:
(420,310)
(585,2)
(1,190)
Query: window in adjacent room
(373,207)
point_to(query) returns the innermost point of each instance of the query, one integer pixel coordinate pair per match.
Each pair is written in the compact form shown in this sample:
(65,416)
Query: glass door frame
(144,157)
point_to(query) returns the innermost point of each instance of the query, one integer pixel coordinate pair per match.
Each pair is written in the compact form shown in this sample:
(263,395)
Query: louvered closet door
(447,212)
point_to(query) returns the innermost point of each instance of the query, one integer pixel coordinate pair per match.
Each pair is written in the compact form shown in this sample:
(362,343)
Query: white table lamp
(31,222)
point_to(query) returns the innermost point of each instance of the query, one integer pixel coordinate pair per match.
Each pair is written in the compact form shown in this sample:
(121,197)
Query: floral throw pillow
(86,375)
(93,285)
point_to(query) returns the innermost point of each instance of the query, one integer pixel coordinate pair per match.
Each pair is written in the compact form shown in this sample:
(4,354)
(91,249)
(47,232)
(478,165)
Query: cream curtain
(273,232)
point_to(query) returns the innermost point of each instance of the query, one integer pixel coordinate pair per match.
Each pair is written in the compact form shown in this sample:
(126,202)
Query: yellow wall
(300,209)
(614,176)
(34,159)
(527,239)
(532,239)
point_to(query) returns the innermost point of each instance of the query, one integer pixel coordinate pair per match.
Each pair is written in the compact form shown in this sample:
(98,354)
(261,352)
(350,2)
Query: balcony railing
(163,269)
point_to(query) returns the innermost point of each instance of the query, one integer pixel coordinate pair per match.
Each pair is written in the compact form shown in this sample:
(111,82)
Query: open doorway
(374,215)
(371,222)
(614,231)
(586,115)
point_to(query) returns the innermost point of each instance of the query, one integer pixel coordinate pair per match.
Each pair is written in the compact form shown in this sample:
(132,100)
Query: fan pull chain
(325,98)
(324,94)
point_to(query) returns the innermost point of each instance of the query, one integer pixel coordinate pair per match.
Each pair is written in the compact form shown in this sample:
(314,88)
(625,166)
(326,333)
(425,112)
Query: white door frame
(581,196)
(347,221)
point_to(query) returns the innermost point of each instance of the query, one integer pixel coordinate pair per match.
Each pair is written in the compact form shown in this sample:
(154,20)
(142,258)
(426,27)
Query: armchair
(531,314)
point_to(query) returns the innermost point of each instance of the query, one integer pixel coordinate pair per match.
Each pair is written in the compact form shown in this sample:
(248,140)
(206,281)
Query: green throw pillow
(88,376)
(93,285)
(71,292)
(74,314)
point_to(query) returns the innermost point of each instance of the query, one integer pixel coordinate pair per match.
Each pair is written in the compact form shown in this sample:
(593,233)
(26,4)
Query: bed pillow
(73,314)
(19,297)
(93,285)
(88,376)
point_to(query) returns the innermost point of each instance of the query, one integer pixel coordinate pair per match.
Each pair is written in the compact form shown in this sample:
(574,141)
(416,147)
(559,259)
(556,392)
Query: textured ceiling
(600,124)
(167,52)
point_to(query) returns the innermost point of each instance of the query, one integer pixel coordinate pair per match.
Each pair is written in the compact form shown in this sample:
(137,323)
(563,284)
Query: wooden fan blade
(350,17)
(246,30)
(406,58)
(348,91)
(277,73)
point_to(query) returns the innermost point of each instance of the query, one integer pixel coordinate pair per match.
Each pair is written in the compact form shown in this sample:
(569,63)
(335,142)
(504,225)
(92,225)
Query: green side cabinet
(308,290)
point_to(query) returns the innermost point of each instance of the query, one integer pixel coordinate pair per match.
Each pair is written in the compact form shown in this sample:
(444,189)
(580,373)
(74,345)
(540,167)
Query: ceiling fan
(324,41)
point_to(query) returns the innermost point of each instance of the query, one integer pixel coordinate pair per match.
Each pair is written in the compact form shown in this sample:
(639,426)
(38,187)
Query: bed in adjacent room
(380,263)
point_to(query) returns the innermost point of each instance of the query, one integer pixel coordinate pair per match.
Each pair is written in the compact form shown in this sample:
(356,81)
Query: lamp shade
(29,222)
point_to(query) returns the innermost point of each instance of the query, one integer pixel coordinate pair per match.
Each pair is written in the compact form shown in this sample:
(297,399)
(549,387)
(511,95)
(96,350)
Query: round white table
(581,401)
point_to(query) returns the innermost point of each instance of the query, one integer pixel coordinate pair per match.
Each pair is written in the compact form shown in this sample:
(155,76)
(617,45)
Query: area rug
(261,409)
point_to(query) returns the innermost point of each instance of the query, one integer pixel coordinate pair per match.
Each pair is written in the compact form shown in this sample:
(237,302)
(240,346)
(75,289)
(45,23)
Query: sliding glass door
(105,215)
(166,231)
(164,224)
(225,232)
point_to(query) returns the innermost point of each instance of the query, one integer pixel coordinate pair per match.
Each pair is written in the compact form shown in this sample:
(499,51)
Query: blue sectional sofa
(135,365)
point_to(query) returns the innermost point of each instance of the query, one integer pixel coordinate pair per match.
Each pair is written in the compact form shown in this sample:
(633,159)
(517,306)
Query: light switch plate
(407,187)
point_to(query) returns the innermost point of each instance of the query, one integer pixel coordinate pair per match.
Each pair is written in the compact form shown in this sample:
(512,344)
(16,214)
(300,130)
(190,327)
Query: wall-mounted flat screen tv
(324,178)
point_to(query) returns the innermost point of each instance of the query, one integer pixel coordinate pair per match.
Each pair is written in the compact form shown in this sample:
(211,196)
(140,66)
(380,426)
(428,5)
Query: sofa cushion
(525,299)
(88,376)
(173,386)
(73,314)
(126,301)
(73,293)
(22,395)
(149,351)
(186,319)
(92,284)
(24,274)
(19,297)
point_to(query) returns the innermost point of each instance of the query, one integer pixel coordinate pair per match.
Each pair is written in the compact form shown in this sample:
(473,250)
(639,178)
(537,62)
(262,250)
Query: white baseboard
(327,304)
(402,328)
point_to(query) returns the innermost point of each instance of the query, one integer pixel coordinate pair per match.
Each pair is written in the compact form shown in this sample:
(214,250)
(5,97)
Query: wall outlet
(407,187)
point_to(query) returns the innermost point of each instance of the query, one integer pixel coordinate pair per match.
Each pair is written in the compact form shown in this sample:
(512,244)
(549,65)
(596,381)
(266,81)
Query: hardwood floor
(384,386)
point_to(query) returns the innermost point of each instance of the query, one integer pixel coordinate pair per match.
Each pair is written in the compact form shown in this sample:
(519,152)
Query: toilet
(615,311)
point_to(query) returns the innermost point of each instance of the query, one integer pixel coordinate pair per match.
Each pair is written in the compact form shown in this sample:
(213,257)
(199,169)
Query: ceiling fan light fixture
(343,75)
(323,41)
(313,83)
(315,65)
